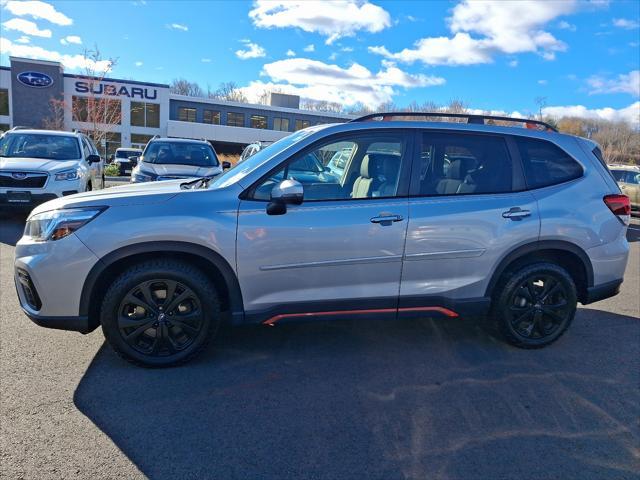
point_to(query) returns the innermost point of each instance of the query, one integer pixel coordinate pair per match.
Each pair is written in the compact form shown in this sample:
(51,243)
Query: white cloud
(564,25)
(634,44)
(321,81)
(71,62)
(252,50)
(623,83)
(482,29)
(513,63)
(333,56)
(335,19)
(205,60)
(177,26)
(75,39)
(347,49)
(38,9)
(23,39)
(310,48)
(139,64)
(626,23)
(27,27)
(290,53)
(630,114)
(543,82)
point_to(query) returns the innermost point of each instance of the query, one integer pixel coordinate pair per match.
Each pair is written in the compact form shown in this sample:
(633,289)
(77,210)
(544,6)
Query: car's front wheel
(160,313)
(535,304)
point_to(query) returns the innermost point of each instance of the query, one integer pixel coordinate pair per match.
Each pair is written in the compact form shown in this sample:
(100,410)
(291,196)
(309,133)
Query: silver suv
(426,219)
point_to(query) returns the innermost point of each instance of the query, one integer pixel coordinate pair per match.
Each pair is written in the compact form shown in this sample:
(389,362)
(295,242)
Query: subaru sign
(35,79)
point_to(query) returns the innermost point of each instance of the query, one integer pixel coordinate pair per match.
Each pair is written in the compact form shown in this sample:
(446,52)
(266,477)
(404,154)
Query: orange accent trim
(445,311)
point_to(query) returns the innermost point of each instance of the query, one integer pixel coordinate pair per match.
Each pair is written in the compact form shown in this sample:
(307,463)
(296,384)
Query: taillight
(620,206)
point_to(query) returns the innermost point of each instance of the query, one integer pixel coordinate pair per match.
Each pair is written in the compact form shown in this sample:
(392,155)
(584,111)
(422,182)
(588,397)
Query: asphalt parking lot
(360,399)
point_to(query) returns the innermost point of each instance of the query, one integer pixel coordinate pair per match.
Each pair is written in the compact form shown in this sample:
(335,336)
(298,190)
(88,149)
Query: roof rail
(20,127)
(472,118)
(155,136)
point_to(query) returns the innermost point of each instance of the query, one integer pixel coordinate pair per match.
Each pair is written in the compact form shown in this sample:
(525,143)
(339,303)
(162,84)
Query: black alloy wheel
(160,317)
(536,305)
(160,313)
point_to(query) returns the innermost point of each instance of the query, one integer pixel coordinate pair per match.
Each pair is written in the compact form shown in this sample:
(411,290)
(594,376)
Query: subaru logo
(19,175)
(35,79)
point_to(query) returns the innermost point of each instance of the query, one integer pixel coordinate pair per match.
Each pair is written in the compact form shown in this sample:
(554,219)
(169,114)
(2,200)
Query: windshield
(128,153)
(242,169)
(39,145)
(180,153)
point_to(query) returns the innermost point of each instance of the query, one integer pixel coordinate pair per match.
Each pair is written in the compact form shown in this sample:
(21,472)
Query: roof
(620,166)
(178,140)
(42,131)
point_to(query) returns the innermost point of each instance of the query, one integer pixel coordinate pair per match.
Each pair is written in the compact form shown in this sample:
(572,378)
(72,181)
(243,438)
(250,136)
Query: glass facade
(4,101)
(211,116)
(235,119)
(281,124)
(300,124)
(87,109)
(258,121)
(186,114)
(145,114)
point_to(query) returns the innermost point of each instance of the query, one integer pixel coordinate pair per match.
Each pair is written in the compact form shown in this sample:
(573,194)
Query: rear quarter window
(545,164)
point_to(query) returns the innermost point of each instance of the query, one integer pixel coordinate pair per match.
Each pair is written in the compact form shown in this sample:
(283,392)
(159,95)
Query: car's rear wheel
(535,305)
(160,313)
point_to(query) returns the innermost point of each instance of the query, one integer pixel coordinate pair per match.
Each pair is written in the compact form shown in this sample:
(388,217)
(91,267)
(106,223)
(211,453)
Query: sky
(575,57)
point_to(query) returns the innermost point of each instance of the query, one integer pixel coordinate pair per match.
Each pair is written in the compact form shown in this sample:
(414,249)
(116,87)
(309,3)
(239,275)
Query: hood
(35,164)
(134,194)
(182,170)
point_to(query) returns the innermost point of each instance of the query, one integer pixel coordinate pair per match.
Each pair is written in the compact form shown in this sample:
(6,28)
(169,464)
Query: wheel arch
(568,255)
(210,262)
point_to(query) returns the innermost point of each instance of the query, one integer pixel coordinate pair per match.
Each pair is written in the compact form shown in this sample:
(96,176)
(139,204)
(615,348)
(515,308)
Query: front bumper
(56,271)
(34,200)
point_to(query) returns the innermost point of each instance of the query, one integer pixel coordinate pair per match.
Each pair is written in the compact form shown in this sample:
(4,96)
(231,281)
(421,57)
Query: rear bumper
(602,291)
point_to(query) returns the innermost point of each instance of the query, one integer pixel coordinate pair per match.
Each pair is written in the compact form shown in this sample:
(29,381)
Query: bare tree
(230,92)
(100,110)
(182,86)
(320,105)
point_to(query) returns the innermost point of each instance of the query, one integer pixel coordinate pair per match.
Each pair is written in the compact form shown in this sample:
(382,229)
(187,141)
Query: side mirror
(287,192)
(111,157)
(226,165)
(93,159)
(134,160)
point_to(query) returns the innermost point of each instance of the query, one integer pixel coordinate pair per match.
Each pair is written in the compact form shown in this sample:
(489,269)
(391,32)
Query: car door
(468,208)
(338,252)
(86,150)
(630,186)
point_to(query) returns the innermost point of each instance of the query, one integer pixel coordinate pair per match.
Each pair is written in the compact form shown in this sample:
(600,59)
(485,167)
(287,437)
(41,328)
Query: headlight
(57,224)
(71,174)
(142,176)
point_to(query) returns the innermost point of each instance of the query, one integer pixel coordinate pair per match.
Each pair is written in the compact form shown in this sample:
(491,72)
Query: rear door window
(463,164)
(545,164)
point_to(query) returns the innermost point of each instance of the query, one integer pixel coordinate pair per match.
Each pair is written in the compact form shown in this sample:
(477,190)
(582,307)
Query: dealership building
(144,109)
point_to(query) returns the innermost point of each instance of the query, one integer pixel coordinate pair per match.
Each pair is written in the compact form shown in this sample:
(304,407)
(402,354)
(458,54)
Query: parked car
(40,165)
(529,228)
(176,158)
(126,159)
(252,149)
(628,177)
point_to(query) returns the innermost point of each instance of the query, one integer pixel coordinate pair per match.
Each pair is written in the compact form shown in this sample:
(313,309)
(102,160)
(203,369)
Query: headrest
(459,168)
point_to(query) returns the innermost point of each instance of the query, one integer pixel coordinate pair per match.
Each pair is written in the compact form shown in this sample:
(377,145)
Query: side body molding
(210,258)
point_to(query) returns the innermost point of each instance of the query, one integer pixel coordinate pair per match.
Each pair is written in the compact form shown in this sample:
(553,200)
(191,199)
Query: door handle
(387,219)
(516,213)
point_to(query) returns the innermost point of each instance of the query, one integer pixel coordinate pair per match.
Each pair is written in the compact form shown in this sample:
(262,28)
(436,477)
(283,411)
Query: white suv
(40,165)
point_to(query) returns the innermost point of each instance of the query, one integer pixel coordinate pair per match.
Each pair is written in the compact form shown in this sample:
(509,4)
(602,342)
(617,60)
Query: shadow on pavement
(12,226)
(363,399)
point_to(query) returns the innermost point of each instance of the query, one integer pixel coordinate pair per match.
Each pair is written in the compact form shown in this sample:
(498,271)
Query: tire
(160,313)
(535,304)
